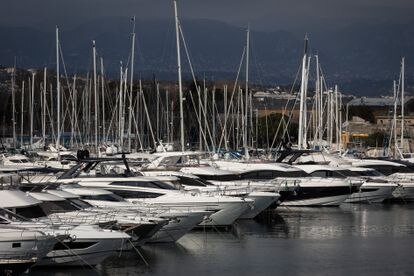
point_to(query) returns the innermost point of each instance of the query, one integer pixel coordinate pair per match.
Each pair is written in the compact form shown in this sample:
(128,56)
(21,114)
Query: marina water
(351,240)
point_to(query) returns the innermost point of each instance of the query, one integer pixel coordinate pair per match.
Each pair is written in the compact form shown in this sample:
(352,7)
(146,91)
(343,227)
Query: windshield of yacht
(50,207)
(80,203)
(106,197)
(144,184)
(368,173)
(334,174)
(197,182)
(388,169)
(271,174)
(30,212)
(7,215)
(19,160)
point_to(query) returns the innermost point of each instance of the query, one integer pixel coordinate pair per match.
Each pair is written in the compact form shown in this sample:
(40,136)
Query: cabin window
(108,197)
(191,181)
(143,184)
(319,174)
(31,212)
(16,245)
(135,194)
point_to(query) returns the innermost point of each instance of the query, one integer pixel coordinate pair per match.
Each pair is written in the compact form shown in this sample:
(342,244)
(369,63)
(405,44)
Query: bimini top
(16,199)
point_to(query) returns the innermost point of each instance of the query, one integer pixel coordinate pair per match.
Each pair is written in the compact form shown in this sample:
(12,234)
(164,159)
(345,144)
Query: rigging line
(199,122)
(195,82)
(148,117)
(232,96)
(284,111)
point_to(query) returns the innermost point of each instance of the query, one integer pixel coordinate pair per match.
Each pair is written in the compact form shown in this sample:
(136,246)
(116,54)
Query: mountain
(361,58)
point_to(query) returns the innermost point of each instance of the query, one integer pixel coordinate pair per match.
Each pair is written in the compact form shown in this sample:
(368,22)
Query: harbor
(107,170)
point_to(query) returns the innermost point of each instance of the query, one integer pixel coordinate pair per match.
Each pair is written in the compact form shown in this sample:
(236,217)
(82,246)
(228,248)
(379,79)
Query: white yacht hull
(89,256)
(377,196)
(20,250)
(318,201)
(178,227)
(262,200)
(227,214)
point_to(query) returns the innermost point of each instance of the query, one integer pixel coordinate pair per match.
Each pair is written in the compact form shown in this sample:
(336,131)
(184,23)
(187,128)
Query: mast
(120,104)
(395,118)
(226,147)
(22,116)
(340,122)
(44,106)
(14,103)
(302,112)
(31,108)
(131,86)
(336,118)
(318,103)
(180,88)
(205,115)
(73,116)
(167,116)
(95,93)
(245,120)
(213,114)
(58,92)
(402,102)
(103,101)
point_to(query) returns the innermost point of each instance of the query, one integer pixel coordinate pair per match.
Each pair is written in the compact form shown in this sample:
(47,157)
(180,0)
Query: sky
(265,15)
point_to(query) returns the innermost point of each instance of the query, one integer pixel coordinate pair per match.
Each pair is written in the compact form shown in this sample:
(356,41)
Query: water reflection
(324,223)
(352,239)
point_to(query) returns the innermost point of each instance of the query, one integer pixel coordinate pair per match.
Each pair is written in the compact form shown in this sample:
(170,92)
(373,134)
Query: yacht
(375,189)
(180,222)
(296,186)
(263,198)
(21,248)
(159,193)
(87,244)
(60,209)
(395,172)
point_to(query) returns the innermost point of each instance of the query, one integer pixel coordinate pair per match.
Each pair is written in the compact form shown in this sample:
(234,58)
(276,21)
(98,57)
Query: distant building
(375,102)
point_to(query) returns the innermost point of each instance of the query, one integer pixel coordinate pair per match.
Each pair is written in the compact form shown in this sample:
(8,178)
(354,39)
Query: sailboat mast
(402,102)
(302,113)
(58,92)
(131,85)
(246,120)
(336,118)
(14,103)
(180,87)
(44,105)
(318,103)
(22,116)
(95,93)
(31,108)
(103,101)
(395,118)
